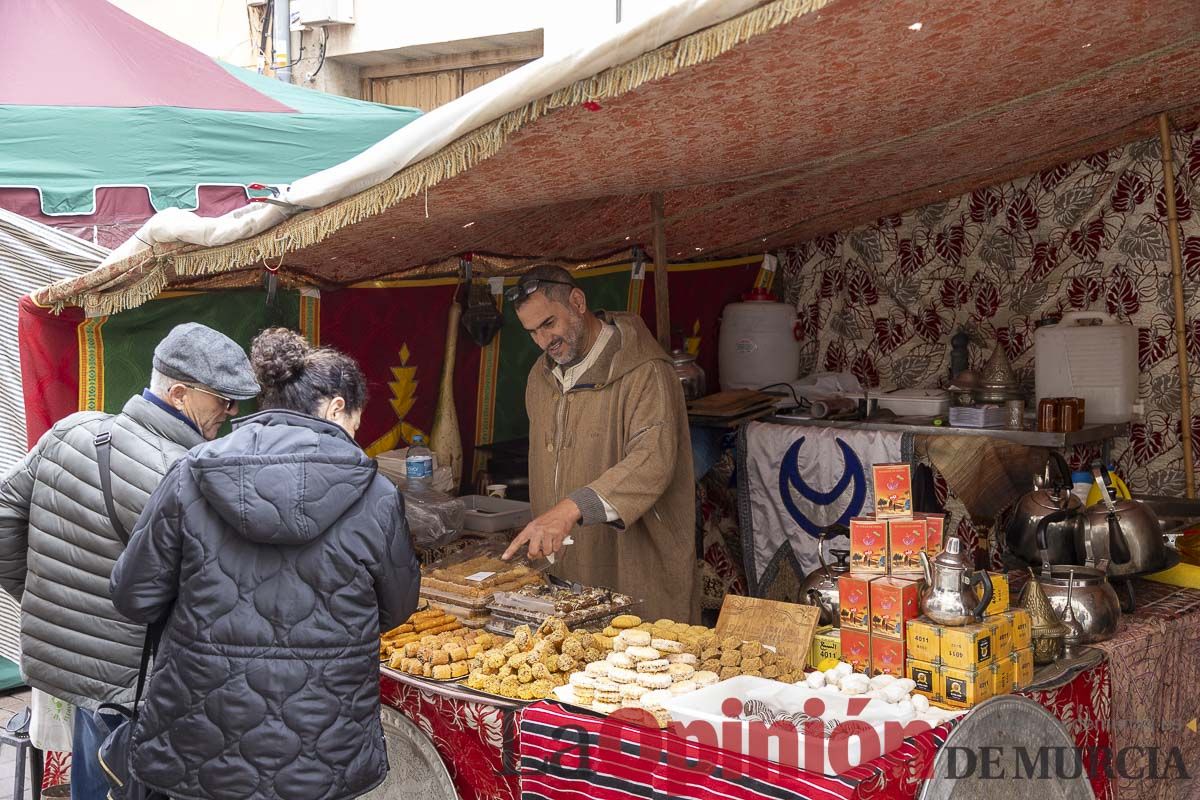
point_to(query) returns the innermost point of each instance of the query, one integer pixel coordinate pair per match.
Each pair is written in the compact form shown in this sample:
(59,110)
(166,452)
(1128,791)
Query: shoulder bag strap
(103,442)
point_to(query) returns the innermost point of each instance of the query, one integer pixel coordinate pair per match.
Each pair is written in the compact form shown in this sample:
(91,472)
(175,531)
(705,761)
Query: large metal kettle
(948,597)
(1054,495)
(820,587)
(1125,533)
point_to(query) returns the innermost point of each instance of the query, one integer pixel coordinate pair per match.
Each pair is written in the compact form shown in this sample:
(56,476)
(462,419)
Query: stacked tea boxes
(881,593)
(962,666)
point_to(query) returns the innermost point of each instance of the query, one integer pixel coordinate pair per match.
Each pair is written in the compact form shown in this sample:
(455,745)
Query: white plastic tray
(492,514)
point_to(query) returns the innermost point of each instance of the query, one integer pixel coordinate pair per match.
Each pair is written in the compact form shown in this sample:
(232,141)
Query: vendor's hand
(545,534)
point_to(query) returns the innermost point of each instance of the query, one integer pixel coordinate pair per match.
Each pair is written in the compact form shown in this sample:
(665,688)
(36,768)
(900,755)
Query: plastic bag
(53,722)
(434,518)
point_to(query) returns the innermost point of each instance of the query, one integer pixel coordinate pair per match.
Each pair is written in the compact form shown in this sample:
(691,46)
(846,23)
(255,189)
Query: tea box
(1002,676)
(827,643)
(926,675)
(893,490)
(965,688)
(854,601)
(868,545)
(894,601)
(1022,628)
(906,541)
(856,649)
(924,640)
(887,656)
(1001,636)
(1000,594)
(1022,661)
(967,647)
(935,530)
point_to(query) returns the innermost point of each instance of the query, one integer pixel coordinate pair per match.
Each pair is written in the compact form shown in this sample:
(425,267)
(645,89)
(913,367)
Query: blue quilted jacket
(279,554)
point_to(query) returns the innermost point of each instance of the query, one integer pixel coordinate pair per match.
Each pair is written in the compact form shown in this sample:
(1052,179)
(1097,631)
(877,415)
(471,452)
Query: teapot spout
(925,568)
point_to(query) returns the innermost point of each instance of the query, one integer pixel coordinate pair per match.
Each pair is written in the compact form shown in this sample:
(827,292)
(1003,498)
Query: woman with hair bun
(272,558)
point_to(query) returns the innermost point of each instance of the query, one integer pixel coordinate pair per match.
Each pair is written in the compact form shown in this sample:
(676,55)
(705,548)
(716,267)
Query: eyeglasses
(229,401)
(525,288)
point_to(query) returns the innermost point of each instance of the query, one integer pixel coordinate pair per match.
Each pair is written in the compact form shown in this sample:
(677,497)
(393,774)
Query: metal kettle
(820,587)
(1052,496)
(1125,533)
(947,598)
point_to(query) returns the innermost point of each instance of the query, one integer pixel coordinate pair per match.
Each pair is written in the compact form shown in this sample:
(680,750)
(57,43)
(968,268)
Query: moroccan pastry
(683,658)
(622,675)
(666,646)
(607,692)
(643,653)
(631,691)
(626,621)
(680,672)
(654,665)
(683,687)
(655,698)
(704,678)
(636,638)
(598,669)
(605,708)
(624,660)
(654,680)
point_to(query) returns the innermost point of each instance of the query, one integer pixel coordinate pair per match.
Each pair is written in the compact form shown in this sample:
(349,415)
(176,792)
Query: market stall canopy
(91,97)
(763,124)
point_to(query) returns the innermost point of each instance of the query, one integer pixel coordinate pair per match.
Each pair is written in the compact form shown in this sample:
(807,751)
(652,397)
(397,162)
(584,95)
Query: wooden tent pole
(662,297)
(1185,394)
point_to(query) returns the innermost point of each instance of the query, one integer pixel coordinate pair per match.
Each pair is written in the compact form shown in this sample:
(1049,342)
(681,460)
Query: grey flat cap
(195,353)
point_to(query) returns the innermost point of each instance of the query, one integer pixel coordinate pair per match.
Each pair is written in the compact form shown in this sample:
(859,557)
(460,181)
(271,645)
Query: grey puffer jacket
(279,553)
(57,548)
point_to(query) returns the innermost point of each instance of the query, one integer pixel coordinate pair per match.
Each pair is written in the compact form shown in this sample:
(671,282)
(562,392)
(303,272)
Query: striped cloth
(31,256)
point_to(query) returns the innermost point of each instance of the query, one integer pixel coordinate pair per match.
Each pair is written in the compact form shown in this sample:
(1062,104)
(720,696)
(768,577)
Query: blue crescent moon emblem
(789,478)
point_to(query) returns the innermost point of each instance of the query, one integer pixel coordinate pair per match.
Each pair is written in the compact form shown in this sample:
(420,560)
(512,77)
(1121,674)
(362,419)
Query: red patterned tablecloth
(469,737)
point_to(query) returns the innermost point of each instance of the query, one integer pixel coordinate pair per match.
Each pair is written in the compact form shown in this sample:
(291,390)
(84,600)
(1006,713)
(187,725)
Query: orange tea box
(893,490)
(935,529)
(924,640)
(926,675)
(887,656)
(906,540)
(894,601)
(854,597)
(868,545)
(856,649)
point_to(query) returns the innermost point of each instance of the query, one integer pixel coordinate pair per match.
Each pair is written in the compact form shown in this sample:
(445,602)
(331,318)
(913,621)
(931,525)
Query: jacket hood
(282,477)
(632,347)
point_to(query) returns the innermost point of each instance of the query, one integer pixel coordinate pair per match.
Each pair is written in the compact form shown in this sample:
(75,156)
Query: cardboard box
(1022,628)
(926,675)
(887,656)
(965,688)
(1001,636)
(1022,668)
(935,531)
(924,640)
(906,541)
(894,601)
(1002,676)
(854,596)
(893,490)
(967,647)
(856,649)
(827,643)
(1001,598)
(868,545)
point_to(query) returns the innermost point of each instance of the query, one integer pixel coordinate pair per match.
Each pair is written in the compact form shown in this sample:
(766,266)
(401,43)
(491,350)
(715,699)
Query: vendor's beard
(572,346)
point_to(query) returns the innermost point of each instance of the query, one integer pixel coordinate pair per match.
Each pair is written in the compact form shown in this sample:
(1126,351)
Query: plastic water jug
(1090,355)
(758,344)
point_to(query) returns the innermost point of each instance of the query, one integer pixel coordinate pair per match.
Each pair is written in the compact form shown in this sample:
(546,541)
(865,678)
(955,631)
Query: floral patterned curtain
(884,299)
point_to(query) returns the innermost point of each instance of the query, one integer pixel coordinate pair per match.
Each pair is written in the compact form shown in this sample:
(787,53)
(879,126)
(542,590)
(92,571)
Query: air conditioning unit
(319,13)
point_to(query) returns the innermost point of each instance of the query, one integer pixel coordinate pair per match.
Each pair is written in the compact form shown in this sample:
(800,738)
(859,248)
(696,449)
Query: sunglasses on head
(526,288)
(229,401)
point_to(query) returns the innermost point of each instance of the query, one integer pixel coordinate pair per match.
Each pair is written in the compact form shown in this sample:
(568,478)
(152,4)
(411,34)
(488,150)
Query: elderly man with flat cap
(65,513)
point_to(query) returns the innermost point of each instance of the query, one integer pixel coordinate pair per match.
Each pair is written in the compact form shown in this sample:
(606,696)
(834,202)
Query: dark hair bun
(278,355)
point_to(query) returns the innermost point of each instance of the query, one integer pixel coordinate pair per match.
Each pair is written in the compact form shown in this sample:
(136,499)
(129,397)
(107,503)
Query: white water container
(1090,355)
(758,343)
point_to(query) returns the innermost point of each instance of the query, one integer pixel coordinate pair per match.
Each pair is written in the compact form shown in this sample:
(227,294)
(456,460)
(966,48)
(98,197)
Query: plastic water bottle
(1081,485)
(418,466)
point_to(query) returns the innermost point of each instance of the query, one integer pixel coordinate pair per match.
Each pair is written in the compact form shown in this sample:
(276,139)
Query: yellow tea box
(924,641)
(926,676)
(1000,594)
(965,688)
(827,643)
(967,647)
(1022,628)
(1002,676)
(1022,668)
(1001,636)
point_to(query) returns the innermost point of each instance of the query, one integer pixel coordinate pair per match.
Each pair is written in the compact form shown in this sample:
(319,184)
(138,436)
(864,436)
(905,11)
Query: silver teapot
(820,587)
(948,597)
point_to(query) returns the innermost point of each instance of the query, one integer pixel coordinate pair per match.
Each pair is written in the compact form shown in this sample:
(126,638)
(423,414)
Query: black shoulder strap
(103,442)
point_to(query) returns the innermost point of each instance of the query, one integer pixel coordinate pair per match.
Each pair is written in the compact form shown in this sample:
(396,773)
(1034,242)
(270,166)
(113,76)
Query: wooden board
(734,403)
(788,627)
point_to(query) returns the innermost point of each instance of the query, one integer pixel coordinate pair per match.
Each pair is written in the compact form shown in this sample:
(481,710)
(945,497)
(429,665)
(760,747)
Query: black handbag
(116,750)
